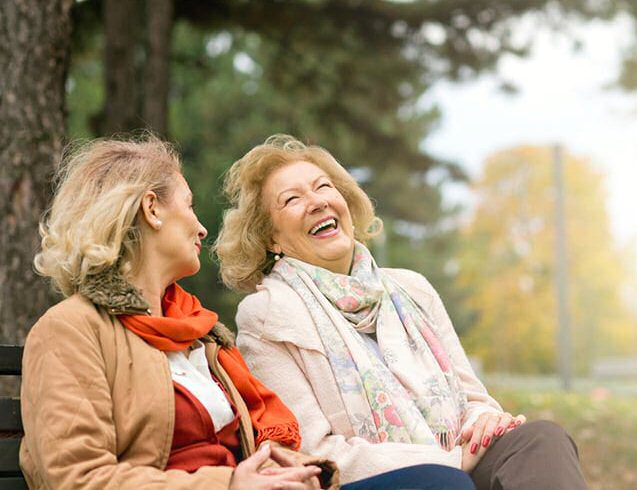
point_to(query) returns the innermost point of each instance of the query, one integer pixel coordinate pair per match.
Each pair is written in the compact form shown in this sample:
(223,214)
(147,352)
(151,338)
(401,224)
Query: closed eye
(289,199)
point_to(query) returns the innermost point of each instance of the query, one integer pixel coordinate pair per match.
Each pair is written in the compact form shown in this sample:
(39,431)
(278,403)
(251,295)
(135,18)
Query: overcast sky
(563,98)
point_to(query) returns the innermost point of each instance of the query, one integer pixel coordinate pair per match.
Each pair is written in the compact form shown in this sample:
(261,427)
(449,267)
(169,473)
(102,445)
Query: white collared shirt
(192,372)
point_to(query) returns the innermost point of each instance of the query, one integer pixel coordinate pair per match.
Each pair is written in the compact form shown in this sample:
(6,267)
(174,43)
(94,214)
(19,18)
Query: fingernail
(265,446)
(474,448)
(518,422)
(486,441)
(499,431)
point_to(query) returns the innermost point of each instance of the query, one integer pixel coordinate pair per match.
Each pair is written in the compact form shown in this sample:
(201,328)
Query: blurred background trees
(219,77)
(507,263)
(34,55)
(346,75)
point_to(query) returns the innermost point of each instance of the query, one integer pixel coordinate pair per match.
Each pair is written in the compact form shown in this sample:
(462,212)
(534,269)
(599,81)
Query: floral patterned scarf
(402,390)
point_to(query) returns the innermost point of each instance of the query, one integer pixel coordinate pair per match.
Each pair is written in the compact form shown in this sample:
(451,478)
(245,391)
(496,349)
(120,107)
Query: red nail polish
(474,448)
(485,441)
(499,431)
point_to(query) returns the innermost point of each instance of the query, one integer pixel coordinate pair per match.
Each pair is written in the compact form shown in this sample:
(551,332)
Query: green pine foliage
(346,75)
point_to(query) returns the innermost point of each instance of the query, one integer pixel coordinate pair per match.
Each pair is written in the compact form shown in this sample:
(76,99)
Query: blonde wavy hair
(246,233)
(93,220)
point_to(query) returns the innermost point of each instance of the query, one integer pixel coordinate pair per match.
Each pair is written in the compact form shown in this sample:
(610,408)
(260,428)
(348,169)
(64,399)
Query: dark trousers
(421,477)
(535,456)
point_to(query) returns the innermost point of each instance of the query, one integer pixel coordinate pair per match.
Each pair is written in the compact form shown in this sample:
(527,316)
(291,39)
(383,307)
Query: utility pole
(561,274)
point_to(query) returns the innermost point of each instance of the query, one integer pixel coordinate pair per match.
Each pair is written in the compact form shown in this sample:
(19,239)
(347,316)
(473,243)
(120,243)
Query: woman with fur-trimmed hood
(130,382)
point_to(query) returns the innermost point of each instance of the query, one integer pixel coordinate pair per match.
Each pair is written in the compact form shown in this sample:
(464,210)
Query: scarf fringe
(446,440)
(287,434)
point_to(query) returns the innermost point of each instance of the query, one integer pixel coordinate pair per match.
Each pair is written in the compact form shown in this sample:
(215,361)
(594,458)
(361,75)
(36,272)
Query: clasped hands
(288,476)
(477,438)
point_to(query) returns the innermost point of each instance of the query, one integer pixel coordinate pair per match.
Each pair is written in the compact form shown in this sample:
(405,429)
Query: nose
(202,232)
(316,203)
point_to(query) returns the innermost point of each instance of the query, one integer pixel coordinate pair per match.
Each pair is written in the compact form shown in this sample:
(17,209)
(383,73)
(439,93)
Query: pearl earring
(277,257)
(158,223)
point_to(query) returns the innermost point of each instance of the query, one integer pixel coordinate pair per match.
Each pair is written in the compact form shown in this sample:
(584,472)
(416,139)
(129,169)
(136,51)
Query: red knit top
(195,442)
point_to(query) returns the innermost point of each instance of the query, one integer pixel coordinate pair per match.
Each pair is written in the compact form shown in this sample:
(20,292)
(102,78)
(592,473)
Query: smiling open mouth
(324,227)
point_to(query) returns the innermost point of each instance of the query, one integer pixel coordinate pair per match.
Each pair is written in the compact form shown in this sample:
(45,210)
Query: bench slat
(9,457)
(10,359)
(13,483)
(10,419)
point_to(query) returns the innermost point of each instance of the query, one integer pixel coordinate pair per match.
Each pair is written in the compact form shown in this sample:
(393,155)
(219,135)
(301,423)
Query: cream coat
(280,343)
(98,406)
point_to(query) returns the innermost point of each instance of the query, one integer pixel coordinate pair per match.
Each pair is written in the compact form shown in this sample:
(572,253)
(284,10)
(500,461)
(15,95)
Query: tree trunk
(34,50)
(122,30)
(156,78)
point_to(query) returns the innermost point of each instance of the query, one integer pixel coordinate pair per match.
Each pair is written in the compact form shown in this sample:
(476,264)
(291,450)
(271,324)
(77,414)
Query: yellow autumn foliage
(507,264)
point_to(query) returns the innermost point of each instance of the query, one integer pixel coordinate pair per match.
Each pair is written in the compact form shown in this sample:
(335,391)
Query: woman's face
(181,233)
(311,220)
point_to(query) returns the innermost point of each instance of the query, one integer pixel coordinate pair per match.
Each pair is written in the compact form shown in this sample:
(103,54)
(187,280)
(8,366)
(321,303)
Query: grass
(601,418)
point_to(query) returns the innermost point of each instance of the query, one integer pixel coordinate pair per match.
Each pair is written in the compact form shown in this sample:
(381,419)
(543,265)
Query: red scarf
(184,321)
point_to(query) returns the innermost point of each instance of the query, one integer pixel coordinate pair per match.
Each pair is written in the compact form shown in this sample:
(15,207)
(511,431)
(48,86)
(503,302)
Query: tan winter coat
(98,402)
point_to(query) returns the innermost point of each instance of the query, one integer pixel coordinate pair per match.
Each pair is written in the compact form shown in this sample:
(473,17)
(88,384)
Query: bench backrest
(10,423)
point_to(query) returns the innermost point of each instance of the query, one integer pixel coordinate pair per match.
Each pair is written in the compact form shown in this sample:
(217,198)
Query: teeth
(324,224)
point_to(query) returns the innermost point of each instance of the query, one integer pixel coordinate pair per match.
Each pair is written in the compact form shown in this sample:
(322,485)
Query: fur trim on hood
(110,290)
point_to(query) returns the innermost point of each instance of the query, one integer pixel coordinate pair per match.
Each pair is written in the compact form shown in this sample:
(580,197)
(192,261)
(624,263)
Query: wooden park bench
(10,423)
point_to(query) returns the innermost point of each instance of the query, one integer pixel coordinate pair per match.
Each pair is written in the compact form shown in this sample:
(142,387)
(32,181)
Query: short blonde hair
(93,220)
(246,232)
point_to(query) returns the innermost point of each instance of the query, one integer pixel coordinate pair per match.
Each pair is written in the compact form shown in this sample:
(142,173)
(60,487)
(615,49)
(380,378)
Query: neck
(344,266)
(152,286)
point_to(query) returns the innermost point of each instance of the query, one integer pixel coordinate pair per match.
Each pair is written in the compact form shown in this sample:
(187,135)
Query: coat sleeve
(479,400)
(67,410)
(274,363)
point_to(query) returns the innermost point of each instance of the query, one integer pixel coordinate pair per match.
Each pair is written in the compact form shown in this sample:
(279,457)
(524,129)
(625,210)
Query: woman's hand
(288,477)
(288,462)
(479,437)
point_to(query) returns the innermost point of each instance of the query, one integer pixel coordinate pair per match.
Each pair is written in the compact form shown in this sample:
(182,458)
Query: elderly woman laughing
(366,357)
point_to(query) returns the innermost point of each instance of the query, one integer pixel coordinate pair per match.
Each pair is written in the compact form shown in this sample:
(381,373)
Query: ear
(149,210)
(274,247)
